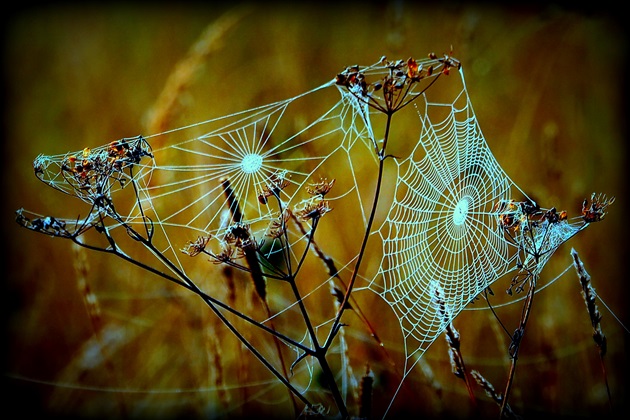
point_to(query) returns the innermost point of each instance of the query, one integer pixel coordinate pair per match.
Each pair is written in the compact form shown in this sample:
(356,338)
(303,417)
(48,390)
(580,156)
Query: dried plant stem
(457,360)
(334,272)
(590,296)
(377,193)
(391,107)
(454,344)
(516,341)
(256,273)
(319,350)
(251,256)
(182,279)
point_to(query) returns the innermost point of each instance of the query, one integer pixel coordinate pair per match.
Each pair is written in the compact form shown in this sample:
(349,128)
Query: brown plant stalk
(516,342)
(590,296)
(255,270)
(453,340)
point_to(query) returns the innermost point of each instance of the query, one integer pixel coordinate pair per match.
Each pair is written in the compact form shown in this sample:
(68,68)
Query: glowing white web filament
(460,212)
(251,163)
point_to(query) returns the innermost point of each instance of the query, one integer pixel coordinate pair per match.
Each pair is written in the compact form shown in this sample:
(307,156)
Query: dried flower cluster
(238,240)
(320,188)
(90,173)
(195,248)
(525,215)
(596,209)
(312,209)
(276,183)
(48,224)
(396,87)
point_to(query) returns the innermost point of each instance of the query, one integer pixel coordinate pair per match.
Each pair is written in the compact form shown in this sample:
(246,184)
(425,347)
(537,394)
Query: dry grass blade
(496,397)
(453,340)
(249,252)
(214,351)
(590,296)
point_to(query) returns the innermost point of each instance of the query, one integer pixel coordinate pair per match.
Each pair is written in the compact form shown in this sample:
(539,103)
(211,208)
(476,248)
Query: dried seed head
(239,236)
(195,248)
(321,188)
(596,209)
(278,226)
(275,183)
(237,232)
(338,295)
(226,254)
(313,209)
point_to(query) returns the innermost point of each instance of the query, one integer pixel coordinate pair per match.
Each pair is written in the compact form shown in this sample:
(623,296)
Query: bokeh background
(547,84)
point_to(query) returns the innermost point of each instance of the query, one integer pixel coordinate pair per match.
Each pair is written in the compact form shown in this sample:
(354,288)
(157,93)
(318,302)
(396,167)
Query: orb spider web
(456,223)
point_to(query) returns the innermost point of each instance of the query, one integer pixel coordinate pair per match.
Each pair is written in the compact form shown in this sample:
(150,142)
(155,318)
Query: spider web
(445,238)
(456,222)
(207,178)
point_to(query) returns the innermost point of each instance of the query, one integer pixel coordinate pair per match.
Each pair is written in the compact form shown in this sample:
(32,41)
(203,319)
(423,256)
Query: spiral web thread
(445,237)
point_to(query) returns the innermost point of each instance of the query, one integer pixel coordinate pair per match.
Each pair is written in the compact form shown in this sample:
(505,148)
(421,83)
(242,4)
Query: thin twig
(333,271)
(516,341)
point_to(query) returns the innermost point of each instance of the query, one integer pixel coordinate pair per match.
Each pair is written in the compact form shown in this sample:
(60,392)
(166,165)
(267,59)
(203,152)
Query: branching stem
(366,236)
(533,279)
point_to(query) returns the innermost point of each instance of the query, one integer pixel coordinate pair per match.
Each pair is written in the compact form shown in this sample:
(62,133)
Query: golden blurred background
(547,85)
